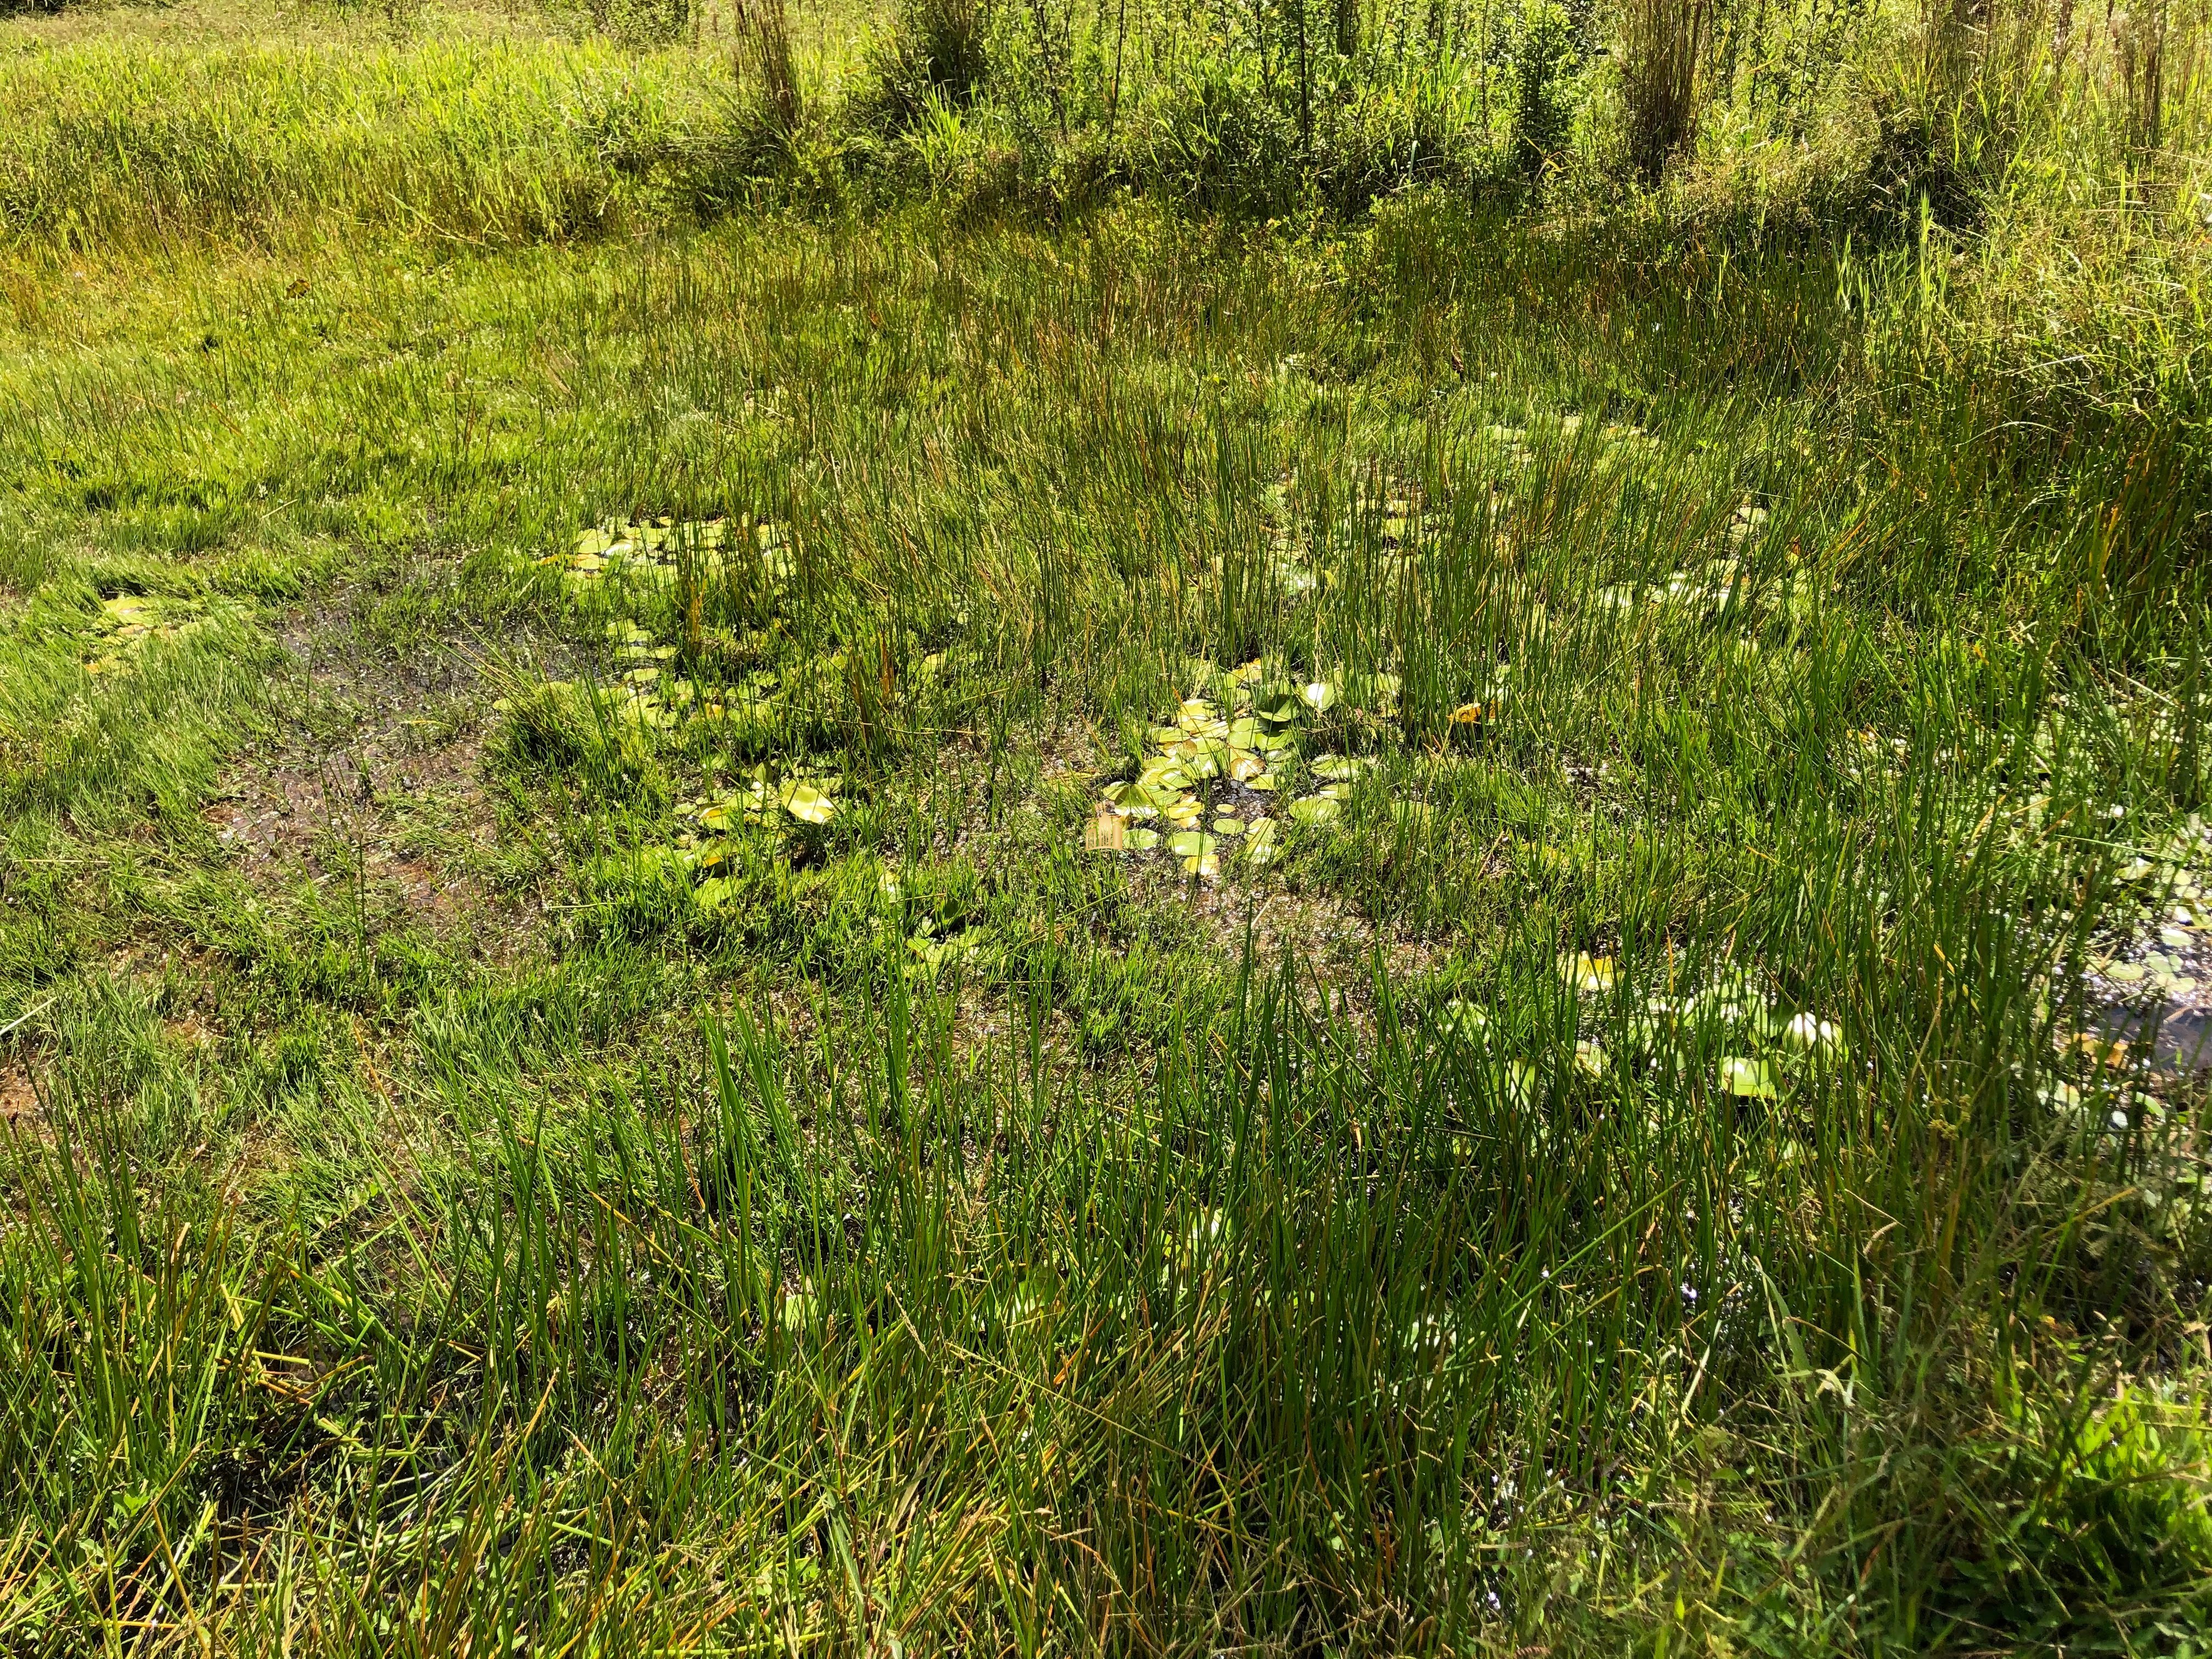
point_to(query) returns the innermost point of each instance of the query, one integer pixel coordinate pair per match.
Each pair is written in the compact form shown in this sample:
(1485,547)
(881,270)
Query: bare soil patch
(372,790)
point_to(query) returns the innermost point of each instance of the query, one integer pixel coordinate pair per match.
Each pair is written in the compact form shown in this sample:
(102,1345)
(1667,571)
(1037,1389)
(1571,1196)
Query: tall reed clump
(1662,43)
(937,52)
(764,56)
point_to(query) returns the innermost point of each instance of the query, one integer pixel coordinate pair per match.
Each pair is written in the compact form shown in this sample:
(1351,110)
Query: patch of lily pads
(655,550)
(126,623)
(1755,1046)
(1229,753)
(764,803)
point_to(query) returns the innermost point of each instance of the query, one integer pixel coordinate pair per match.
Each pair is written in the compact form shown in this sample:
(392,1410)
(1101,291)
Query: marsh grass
(1634,1178)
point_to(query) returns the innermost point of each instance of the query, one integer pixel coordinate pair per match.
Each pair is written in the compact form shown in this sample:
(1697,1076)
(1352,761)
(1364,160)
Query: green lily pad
(1142,840)
(1746,1079)
(1315,809)
(1189,843)
(1259,846)
(809,804)
(1320,695)
(1228,826)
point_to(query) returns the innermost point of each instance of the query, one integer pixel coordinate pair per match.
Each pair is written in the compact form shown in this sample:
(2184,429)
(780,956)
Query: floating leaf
(1746,1079)
(808,805)
(1810,1033)
(1228,826)
(1204,866)
(1412,815)
(1320,695)
(1191,844)
(1260,841)
(1244,765)
(1316,810)
(1592,975)
(1142,840)
(1591,1058)
(1164,774)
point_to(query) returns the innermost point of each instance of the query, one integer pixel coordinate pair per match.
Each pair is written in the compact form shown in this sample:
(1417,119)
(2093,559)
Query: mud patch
(373,792)
(19,1096)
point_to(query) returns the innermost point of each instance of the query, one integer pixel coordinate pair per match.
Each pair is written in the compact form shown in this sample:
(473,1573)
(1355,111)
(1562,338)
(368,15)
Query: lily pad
(1320,695)
(1315,809)
(1260,846)
(1746,1079)
(1141,839)
(808,804)
(1228,826)
(1191,844)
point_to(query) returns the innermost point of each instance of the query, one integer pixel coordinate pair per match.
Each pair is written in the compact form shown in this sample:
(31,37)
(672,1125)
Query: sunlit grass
(1646,1163)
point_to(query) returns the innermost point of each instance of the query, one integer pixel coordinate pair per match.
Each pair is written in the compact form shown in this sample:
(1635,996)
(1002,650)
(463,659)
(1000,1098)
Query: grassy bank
(860,926)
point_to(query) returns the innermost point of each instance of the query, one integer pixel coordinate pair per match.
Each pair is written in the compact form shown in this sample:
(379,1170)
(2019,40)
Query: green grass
(456,1193)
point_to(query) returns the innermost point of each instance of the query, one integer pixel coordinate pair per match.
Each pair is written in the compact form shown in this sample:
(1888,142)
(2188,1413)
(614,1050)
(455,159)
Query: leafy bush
(937,50)
(1544,58)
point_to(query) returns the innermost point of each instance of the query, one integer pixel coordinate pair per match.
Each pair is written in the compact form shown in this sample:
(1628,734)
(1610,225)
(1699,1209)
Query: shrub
(1543,60)
(938,52)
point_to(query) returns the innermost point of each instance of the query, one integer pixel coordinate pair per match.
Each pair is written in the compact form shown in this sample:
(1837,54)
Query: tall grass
(1650,1168)
(1115,1285)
